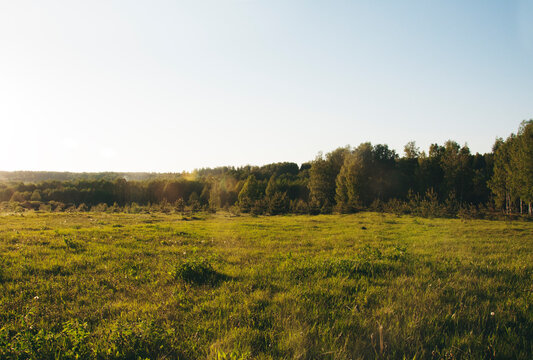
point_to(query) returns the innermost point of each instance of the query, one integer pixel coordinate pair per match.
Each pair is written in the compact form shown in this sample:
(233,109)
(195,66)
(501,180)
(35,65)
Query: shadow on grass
(198,271)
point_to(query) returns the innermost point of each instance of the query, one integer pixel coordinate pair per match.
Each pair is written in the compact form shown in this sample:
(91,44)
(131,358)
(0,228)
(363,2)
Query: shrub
(45,207)
(198,271)
(194,206)
(72,244)
(82,207)
(259,207)
(56,205)
(299,207)
(180,206)
(101,207)
(234,210)
(397,207)
(314,207)
(468,212)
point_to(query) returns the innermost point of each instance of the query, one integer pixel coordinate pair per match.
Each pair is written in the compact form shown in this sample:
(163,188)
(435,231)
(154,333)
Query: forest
(446,181)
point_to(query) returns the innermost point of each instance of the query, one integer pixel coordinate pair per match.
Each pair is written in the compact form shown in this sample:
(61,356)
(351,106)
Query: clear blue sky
(177,85)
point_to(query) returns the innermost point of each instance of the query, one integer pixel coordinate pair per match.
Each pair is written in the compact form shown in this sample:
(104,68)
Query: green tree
(526,134)
(383,174)
(411,150)
(323,175)
(430,173)
(249,194)
(502,183)
(278,203)
(455,163)
(521,158)
(215,195)
(35,196)
(272,187)
(180,206)
(408,176)
(17,197)
(352,182)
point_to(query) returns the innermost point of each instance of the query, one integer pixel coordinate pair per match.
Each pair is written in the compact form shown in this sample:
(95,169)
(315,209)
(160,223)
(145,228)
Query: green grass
(125,286)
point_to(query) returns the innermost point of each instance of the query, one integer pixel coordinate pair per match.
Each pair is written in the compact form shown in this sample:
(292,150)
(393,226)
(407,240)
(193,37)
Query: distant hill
(38,176)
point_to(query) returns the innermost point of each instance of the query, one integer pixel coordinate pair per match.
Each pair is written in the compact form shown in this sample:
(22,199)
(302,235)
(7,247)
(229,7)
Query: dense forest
(447,181)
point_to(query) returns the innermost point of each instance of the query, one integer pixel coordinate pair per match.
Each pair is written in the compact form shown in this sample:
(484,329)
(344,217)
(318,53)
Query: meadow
(94,285)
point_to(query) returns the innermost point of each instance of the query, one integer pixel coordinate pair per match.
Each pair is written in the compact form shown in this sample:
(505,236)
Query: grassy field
(125,286)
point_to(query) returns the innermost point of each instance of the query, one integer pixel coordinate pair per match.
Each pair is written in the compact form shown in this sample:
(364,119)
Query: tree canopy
(344,180)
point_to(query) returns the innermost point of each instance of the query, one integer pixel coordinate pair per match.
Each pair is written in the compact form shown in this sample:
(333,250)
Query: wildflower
(35,298)
(492,313)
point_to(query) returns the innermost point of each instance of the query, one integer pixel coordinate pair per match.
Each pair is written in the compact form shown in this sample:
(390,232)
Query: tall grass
(137,286)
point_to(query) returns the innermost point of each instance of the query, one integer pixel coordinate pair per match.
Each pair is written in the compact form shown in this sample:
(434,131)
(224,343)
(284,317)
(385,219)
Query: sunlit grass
(98,285)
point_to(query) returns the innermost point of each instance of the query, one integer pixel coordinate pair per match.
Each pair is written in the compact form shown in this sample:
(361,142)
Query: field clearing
(129,286)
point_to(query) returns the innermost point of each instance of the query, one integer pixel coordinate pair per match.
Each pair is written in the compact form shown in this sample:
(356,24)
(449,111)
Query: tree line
(444,181)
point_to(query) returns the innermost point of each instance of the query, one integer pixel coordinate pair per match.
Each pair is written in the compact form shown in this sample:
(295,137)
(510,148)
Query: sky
(170,86)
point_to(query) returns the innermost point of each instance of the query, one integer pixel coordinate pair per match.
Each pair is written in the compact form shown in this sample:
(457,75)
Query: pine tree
(278,204)
(249,194)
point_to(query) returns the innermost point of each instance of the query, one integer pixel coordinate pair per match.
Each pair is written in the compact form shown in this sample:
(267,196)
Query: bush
(72,244)
(299,207)
(377,206)
(397,207)
(101,207)
(45,207)
(468,212)
(56,205)
(194,206)
(234,210)
(198,271)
